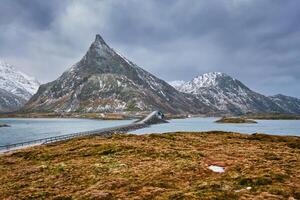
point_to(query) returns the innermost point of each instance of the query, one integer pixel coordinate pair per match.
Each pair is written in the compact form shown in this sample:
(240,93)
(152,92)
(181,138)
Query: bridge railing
(104,132)
(42,140)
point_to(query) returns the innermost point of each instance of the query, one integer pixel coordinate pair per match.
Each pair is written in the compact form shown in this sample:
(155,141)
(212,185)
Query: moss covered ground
(155,166)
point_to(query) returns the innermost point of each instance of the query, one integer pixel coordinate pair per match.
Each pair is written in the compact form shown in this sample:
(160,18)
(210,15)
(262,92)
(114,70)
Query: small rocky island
(4,125)
(235,120)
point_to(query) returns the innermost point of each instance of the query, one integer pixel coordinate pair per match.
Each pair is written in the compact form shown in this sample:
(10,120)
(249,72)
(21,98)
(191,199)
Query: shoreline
(3,151)
(100,116)
(142,114)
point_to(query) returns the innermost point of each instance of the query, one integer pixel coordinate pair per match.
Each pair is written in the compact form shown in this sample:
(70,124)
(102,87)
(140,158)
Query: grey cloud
(255,41)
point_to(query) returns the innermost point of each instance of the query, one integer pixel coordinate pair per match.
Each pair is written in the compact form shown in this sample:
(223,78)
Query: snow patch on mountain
(177,84)
(105,81)
(17,82)
(289,104)
(227,94)
(10,102)
(207,80)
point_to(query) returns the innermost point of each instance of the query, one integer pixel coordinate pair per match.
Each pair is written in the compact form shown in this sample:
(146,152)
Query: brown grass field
(165,166)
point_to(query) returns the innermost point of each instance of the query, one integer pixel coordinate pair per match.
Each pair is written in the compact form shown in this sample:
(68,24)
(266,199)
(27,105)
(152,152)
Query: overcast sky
(255,41)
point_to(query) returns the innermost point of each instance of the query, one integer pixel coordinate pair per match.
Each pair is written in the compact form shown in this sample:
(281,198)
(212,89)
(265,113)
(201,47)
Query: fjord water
(274,127)
(22,130)
(30,129)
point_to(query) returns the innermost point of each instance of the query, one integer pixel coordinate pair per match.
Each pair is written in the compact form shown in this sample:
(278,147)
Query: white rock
(216,168)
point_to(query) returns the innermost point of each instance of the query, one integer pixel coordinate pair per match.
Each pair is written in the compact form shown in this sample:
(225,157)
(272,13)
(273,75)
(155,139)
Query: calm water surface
(275,127)
(30,129)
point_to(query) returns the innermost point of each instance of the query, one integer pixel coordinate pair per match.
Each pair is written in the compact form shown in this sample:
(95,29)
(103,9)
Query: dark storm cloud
(32,13)
(256,41)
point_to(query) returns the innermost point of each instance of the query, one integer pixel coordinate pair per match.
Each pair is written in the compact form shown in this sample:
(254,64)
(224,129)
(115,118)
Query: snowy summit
(15,88)
(206,80)
(105,81)
(17,82)
(228,95)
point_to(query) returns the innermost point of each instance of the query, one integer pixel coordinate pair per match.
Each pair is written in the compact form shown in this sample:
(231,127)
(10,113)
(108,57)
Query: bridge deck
(105,132)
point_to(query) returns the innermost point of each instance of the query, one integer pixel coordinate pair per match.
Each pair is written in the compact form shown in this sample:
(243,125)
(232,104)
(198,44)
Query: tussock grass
(156,166)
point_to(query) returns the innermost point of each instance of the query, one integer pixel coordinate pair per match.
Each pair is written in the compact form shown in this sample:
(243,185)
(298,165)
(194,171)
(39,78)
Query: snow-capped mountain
(289,104)
(17,82)
(228,95)
(10,102)
(103,80)
(15,88)
(176,84)
(207,80)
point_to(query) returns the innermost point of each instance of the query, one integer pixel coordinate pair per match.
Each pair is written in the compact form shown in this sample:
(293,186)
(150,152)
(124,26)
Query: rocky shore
(4,125)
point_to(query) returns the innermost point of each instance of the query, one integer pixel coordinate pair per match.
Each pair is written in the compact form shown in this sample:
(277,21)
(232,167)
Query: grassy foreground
(166,166)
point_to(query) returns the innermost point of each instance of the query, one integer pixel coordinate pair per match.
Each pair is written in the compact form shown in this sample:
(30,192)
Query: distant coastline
(141,114)
(272,116)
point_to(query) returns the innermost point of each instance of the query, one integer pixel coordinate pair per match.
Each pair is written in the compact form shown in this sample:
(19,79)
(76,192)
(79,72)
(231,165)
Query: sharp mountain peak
(104,80)
(99,38)
(99,43)
(213,76)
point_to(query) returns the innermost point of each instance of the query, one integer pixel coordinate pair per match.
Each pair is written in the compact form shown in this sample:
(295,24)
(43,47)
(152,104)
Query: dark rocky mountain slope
(228,95)
(287,103)
(105,81)
(10,102)
(15,87)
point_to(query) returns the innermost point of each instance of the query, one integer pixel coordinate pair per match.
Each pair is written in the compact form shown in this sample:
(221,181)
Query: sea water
(22,130)
(274,127)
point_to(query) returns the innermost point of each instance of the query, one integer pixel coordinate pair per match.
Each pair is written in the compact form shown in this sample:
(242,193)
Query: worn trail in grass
(165,166)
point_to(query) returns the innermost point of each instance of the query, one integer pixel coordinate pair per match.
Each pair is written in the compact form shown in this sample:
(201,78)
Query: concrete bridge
(155,117)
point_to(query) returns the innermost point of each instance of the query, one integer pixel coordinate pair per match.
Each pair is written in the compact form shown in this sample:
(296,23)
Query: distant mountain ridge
(229,95)
(17,82)
(105,81)
(15,87)
(10,102)
(287,103)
